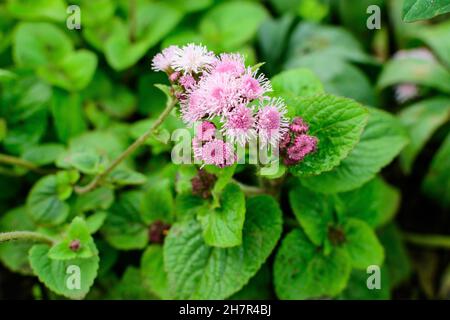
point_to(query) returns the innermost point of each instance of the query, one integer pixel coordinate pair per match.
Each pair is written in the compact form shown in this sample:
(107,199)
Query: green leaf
(230,25)
(415,71)
(57,274)
(397,259)
(437,181)
(422,120)
(6,76)
(336,122)
(357,287)
(362,244)
(26,133)
(313,10)
(95,12)
(382,139)
(78,231)
(73,72)
(191,6)
(124,228)
(302,271)
(314,211)
(183,184)
(40,43)
(376,202)
(95,221)
(14,254)
(272,39)
(338,76)
(296,83)
(309,39)
(44,205)
(108,144)
(414,10)
(64,183)
(187,206)
(124,177)
(435,36)
(43,154)
(224,177)
(152,270)
(197,271)
(222,227)
(85,161)
(158,202)
(38,9)
(258,288)
(68,115)
(154,21)
(130,287)
(100,198)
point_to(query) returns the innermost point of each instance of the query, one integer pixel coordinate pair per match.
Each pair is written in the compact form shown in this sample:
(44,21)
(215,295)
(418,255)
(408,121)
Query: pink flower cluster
(296,143)
(222,90)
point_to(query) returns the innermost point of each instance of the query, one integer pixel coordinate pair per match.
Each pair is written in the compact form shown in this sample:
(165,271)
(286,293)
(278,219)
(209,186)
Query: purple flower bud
(203,183)
(75,245)
(285,140)
(188,81)
(303,145)
(157,231)
(174,76)
(298,126)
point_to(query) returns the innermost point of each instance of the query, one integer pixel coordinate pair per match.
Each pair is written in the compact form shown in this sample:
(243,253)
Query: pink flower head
(253,86)
(219,93)
(206,131)
(298,126)
(272,123)
(192,58)
(303,145)
(188,81)
(240,124)
(174,76)
(229,63)
(218,153)
(163,61)
(191,109)
(285,140)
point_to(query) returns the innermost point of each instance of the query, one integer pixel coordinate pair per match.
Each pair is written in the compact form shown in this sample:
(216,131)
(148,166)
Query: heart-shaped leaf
(198,271)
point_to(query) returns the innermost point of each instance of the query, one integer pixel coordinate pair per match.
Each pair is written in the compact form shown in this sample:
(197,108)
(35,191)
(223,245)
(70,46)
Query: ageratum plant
(203,174)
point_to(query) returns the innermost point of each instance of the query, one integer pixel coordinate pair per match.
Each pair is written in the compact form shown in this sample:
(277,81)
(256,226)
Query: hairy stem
(136,144)
(11,160)
(25,235)
(428,240)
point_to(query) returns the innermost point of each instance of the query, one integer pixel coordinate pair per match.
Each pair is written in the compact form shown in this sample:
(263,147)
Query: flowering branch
(429,240)
(25,235)
(136,144)
(11,160)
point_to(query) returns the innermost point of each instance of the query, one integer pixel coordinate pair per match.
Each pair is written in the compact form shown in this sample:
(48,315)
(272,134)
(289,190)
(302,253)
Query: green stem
(25,235)
(428,240)
(8,172)
(132,17)
(136,144)
(250,190)
(11,160)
